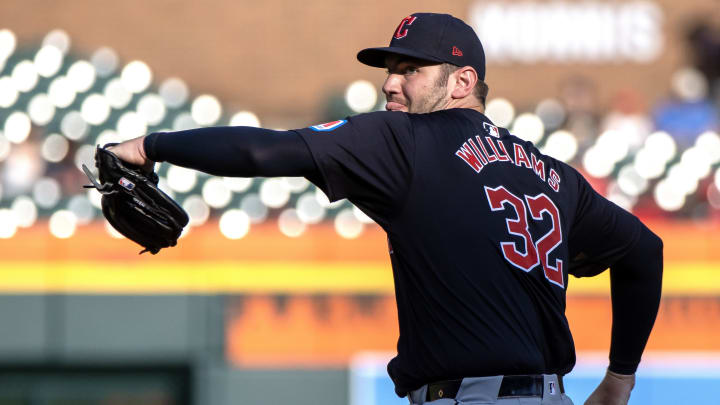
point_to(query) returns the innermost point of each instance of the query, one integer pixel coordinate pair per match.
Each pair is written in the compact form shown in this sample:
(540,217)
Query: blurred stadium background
(274,295)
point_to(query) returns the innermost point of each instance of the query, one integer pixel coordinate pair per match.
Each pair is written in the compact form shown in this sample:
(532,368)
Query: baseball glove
(134,205)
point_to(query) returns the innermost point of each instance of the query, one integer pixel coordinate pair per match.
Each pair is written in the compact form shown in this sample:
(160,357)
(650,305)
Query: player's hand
(133,152)
(614,389)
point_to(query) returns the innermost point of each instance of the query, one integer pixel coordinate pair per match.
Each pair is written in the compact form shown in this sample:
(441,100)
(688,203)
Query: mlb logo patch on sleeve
(328,126)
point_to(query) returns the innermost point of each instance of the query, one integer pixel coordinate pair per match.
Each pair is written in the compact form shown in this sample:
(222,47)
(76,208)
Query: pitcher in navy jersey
(484,228)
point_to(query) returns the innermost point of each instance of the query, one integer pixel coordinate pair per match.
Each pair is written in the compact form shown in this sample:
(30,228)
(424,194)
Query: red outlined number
(535,252)
(497,197)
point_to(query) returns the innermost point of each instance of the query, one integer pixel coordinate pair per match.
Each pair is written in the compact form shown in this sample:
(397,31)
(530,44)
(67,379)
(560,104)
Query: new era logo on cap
(456,51)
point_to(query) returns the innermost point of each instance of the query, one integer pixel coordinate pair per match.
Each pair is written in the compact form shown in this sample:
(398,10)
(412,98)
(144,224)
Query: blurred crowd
(654,159)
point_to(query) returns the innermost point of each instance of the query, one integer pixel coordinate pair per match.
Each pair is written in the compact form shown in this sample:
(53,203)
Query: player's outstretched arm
(224,151)
(635,286)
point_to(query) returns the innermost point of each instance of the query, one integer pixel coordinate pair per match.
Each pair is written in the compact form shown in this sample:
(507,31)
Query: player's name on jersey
(483,151)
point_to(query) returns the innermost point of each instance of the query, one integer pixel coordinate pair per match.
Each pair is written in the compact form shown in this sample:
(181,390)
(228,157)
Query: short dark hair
(481,88)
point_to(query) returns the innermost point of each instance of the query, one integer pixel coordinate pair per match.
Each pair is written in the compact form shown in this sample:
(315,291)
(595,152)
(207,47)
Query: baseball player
(483,229)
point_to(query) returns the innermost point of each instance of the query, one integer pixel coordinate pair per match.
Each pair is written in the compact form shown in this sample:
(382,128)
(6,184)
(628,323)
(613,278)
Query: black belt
(511,386)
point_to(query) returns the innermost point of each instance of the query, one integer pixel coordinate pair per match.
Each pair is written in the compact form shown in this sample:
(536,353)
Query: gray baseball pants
(484,390)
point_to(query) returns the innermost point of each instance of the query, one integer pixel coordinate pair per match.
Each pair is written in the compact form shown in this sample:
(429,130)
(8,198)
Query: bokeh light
(63,224)
(7,43)
(296,184)
(551,112)
(152,109)
(48,61)
(561,145)
(234,224)
(17,127)
(41,109)
(197,210)
(206,110)
(8,223)
(274,193)
(54,148)
(24,76)
(58,39)
(81,76)
(25,211)
(46,192)
(73,126)
(309,209)
(254,208)
(8,93)
(347,225)
(82,208)
(174,92)
(290,224)
(631,182)
(5,147)
(105,60)
(136,76)
(85,155)
(181,179)
(529,127)
(215,193)
(361,96)
(61,92)
(116,94)
(245,119)
(668,197)
(131,125)
(238,184)
(95,109)
(361,216)
(500,111)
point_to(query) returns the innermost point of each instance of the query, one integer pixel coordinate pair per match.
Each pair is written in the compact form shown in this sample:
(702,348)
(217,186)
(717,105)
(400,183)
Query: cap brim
(375,57)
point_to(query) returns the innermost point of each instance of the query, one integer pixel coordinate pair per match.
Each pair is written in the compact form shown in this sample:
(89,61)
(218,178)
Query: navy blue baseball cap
(431,37)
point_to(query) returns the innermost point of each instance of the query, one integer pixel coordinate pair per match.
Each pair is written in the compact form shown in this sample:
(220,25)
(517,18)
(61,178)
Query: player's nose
(392,84)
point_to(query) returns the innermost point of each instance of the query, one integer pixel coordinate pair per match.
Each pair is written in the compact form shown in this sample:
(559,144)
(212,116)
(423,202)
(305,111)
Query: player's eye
(410,70)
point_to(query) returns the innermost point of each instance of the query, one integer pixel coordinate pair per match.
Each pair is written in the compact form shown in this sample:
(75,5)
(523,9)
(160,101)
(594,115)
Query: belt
(511,386)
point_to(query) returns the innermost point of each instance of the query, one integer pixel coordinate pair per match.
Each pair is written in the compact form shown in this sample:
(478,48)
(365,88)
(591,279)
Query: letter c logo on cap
(400,32)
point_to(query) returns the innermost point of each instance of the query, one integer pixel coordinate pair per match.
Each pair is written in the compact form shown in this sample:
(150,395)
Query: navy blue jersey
(483,231)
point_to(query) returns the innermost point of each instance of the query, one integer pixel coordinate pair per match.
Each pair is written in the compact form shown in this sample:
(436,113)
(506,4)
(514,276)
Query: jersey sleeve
(601,234)
(367,159)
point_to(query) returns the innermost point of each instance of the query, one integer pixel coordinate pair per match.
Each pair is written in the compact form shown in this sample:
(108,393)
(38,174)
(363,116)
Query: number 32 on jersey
(530,253)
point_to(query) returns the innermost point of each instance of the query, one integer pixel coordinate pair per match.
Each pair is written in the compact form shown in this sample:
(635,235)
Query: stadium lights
(290,224)
(81,75)
(61,92)
(529,127)
(347,225)
(215,193)
(234,224)
(500,111)
(8,92)
(41,109)
(116,94)
(254,208)
(73,126)
(54,148)
(245,119)
(361,96)
(136,76)
(63,224)
(152,108)
(197,209)
(59,39)
(206,110)
(174,92)
(24,76)
(95,109)
(48,61)
(274,193)
(105,60)
(7,44)
(17,127)
(238,184)
(181,179)
(309,209)
(561,145)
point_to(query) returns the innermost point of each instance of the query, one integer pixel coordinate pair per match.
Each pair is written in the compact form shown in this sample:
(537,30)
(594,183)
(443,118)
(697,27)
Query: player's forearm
(636,284)
(233,151)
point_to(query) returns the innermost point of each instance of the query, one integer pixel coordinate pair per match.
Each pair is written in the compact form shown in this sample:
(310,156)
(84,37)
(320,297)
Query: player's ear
(465,80)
